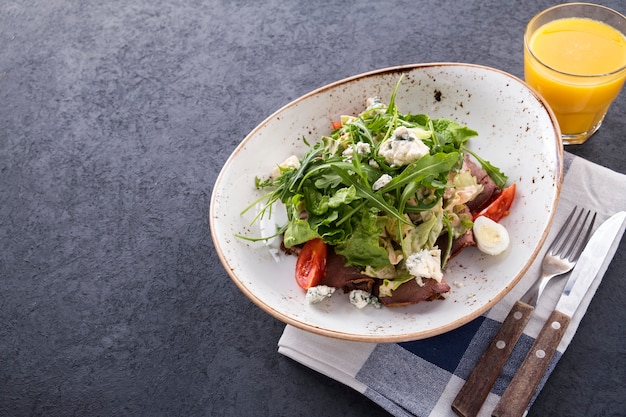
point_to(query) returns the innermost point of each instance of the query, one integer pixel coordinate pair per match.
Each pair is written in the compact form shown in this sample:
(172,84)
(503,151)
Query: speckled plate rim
(557,170)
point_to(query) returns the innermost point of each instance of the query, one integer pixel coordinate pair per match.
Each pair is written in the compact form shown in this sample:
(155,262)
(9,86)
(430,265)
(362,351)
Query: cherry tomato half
(336,125)
(311,264)
(499,207)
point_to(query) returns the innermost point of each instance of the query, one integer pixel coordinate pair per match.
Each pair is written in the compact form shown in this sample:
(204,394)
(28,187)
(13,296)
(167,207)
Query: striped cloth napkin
(421,378)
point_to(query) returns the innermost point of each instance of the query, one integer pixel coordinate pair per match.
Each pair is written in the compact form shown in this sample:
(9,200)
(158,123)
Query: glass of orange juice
(575,58)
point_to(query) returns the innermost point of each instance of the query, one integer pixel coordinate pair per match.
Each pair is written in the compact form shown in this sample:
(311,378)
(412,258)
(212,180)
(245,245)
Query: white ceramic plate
(517,132)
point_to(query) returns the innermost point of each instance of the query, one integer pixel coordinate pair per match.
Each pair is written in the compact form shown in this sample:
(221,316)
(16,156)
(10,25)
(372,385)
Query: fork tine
(586,237)
(572,246)
(558,238)
(576,228)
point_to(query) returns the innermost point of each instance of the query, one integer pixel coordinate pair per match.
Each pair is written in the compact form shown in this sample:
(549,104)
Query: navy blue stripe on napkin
(445,350)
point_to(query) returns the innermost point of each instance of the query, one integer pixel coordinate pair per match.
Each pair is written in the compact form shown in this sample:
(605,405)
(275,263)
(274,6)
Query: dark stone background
(115,120)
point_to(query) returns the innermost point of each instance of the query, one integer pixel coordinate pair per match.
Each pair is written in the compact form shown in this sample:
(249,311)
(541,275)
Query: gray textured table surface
(115,119)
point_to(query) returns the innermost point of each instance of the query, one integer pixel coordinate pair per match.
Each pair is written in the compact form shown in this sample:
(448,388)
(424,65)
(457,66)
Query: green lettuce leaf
(362,247)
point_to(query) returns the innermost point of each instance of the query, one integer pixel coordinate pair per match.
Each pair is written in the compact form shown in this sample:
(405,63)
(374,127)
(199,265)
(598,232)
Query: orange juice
(578,65)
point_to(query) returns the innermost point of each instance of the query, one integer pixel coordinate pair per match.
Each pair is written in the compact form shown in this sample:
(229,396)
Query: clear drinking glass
(575,58)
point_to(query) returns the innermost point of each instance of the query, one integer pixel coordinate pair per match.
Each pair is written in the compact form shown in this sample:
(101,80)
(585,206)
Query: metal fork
(562,254)
(559,259)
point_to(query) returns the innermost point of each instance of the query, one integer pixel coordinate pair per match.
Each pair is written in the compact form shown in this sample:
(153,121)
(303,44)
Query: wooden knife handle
(519,392)
(473,393)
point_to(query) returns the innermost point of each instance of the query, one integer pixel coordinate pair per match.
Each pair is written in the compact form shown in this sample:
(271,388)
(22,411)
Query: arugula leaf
(422,169)
(375,199)
(391,108)
(494,172)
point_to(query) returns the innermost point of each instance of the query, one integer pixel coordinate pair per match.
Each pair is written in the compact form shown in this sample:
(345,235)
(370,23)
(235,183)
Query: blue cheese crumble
(381,182)
(375,103)
(318,293)
(404,146)
(361,299)
(425,263)
(362,148)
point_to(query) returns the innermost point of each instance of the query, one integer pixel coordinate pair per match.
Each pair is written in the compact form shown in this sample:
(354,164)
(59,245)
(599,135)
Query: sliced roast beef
(411,292)
(489,186)
(348,278)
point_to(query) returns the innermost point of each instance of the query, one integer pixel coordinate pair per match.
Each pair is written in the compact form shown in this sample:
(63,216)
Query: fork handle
(519,392)
(475,390)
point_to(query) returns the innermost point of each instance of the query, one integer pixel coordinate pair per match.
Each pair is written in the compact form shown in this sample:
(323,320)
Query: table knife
(518,394)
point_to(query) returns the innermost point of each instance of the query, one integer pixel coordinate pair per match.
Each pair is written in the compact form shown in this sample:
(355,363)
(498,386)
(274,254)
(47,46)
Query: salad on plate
(379,206)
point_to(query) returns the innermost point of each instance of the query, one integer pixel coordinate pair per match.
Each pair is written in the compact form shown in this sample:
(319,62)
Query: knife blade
(519,392)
